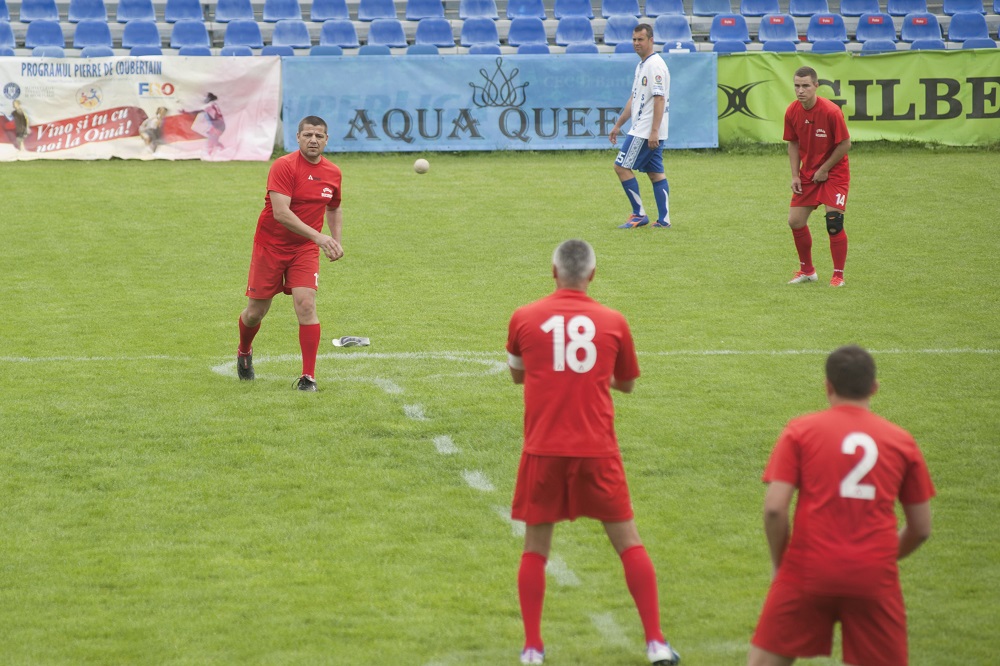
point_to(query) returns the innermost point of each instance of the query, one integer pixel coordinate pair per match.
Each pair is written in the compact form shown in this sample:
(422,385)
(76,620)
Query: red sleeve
(281,178)
(513,346)
(790,133)
(917,486)
(840,133)
(784,464)
(627,364)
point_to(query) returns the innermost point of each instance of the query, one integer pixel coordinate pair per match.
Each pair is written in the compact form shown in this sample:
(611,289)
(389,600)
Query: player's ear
(874,388)
(555,272)
(590,278)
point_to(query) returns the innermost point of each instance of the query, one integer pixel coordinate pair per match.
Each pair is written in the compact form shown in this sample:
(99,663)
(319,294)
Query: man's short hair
(802,72)
(644,27)
(312,120)
(851,372)
(574,261)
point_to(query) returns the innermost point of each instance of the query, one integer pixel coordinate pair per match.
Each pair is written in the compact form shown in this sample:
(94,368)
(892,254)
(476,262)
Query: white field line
(516,526)
(415,412)
(478,481)
(609,629)
(444,445)
(561,573)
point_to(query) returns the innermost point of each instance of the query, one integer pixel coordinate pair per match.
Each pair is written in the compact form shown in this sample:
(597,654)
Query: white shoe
(661,654)
(801,277)
(532,656)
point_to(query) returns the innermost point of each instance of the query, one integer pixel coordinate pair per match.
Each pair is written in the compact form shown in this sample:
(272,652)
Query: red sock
(531,591)
(803,245)
(640,576)
(838,250)
(246,338)
(309,342)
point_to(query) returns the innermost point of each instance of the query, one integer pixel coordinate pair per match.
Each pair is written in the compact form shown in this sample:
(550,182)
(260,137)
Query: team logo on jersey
(820,133)
(658,80)
(643,81)
(736,100)
(327,192)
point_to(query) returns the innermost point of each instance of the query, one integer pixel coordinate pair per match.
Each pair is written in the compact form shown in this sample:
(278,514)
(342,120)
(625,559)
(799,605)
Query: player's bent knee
(834,222)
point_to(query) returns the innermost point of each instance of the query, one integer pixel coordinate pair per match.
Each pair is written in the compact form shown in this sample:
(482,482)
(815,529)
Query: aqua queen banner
(948,97)
(168,108)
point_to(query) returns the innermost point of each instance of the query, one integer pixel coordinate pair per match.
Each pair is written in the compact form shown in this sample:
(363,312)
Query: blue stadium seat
(375,50)
(928,44)
(233,10)
(618,29)
(565,8)
(656,8)
(83,10)
(527,30)
(680,47)
(48,52)
(919,25)
(979,43)
(6,35)
(326,50)
(611,8)
(777,28)
(826,26)
(182,10)
(423,49)
(808,7)
(6,52)
(324,10)
(243,32)
(574,30)
(189,32)
(671,28)
(434,32)
(759,7)
(135,10)
(139,51)
(858,7)
(828,46)
(339,32)
(780,46)
(97,52)
(236,50)
(875,26)
(726,27)
(996,6)
(533,49)
(711,7)
(92,32)
(479,31)
(140,33)
(525,9)
(283,51)
(37,10)
(729,46)
(44,32)
(904,7)
(421,9)
(967,25)
(369,10)
(4,12)
(873,46)
(624,47)
(198,51)
(477,9)
(291,32)
(580,48)
(952,7)
(281,10)
(388,32)
(485,49)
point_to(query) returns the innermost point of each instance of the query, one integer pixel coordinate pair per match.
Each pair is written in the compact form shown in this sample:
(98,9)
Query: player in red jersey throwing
(817,152)
(303,188)
(568,351)
(849,467)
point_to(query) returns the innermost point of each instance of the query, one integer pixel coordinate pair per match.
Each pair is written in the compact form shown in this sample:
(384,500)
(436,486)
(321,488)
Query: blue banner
(478,102)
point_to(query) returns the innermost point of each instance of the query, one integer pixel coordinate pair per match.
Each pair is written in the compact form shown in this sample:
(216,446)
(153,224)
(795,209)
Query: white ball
(421,166)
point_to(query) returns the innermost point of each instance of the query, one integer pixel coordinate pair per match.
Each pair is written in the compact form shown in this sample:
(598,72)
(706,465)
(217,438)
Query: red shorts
(795,623)
(831,192)
(551,489)
(273,272)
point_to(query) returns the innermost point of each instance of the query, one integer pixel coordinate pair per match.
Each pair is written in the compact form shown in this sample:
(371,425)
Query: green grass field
(158,511)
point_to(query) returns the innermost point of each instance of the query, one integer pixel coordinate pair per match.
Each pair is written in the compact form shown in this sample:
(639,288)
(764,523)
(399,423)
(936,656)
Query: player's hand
(331,248)
(654,140)
(797,185)
(821,176)
(613,135)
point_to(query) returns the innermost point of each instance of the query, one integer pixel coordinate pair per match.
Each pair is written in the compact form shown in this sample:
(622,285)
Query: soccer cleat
(662,224)
(244,366)
(802,276)
(306,383)
(532,656)
(661,654)
(837,282)
(634,221)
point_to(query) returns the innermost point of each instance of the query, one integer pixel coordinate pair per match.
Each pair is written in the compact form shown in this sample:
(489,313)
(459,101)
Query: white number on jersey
(851,485)
(581,332)
(841,200)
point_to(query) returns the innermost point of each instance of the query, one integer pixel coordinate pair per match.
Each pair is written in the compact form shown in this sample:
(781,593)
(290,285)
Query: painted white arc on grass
(478,481)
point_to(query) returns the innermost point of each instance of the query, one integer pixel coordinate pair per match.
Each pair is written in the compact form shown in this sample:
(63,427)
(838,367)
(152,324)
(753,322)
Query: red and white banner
(167,107)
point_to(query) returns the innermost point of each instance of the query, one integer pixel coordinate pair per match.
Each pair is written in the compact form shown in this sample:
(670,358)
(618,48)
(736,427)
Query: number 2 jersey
(570,346)
(850,466)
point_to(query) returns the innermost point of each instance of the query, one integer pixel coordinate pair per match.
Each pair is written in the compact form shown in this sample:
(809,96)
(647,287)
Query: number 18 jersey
(570,346)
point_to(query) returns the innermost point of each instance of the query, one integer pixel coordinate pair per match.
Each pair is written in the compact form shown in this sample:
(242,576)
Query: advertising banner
(476,102)
(168,107)
(948,97)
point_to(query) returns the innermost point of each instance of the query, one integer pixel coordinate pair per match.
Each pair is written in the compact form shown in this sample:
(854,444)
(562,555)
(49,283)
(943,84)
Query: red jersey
(313,189)
(817,131)
(571,346)
(850,466)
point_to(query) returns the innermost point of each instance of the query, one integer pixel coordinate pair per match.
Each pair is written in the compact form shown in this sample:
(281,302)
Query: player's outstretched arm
(917,529)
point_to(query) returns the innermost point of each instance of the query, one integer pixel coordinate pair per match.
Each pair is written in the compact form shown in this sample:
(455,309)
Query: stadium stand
(485,49)
(138,51)
(388,32)
(904,7)
(183,10)
(477,9)
(369,10)
(236,50)
(44,32)
(759,7)
(4,11)
(326,50)
(711,7)
(135,10)
(273,50)
(566,8)
(281,10)
(873,46)
(423,49)
(526,9)
(671,28)
(729,27)
(680,47)
(340,33)
(828,46)
(243,32)
(421,9)
(434,32)
(624,47)
(877,25)
(582,48)
(38,10)
(92,32)
(324,10)
(295,33)
(618,29)
(858,7)
(611,8)
(826,26)
(374,50)
(479,31)
(967,25)
(929,44)
(574,30)
(527,30)
(86,10)
(140,32)
(189,33)
(6,51)
(49,51)
(919,25)
(780,46)
(808,7)
(654,8)
(198,51)
(535,48)
(952,7)
(777,28)
(6,35)
(729,46)
(983,43)
(227,11)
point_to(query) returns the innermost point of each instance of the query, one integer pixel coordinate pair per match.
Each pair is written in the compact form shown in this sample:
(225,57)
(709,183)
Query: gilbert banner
(168,107)
(476,102)
(949,97)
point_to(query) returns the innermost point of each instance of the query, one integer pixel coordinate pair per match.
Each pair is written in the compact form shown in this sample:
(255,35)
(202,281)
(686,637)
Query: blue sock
(661,190)
(632,192)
